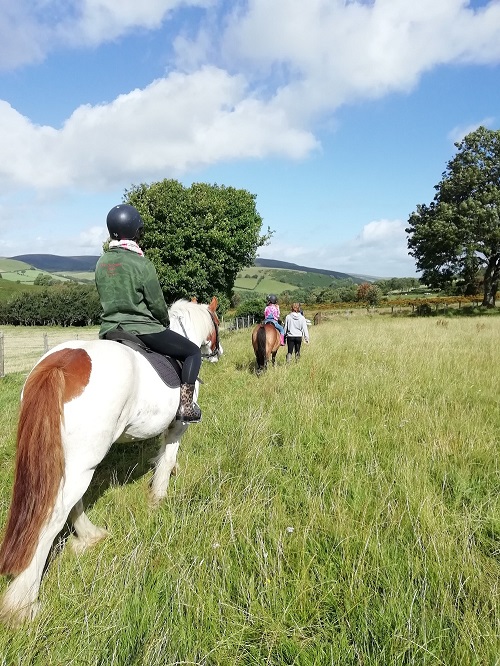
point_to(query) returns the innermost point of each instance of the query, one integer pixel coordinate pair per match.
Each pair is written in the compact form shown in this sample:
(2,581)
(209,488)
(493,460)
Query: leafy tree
(457,236)
(252,308)
(44,280)
(368,292)
(348,294)
(62,305)
(198,237)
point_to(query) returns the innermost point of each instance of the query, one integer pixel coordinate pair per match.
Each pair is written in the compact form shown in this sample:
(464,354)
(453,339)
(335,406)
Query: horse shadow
(124,464)
(246,366)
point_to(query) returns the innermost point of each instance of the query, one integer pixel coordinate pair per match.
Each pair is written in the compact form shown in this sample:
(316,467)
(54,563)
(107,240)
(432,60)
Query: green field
(77,275)
(277,280)
(344,511)
(12,265)
(28,276)
(8,289)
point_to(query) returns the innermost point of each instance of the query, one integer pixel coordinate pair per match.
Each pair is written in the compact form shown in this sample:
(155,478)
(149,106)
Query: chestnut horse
(266,341)
(78,400)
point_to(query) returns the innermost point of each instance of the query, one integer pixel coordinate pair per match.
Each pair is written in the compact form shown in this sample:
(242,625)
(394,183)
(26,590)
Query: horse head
(199,323)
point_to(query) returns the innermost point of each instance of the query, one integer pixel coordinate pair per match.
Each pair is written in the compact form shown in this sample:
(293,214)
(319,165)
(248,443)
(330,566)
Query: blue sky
(339,115)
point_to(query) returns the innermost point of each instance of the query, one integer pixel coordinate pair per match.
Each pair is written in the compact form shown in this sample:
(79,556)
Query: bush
(252,308)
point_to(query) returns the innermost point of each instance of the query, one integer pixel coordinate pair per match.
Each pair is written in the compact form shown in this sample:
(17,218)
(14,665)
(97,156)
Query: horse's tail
(39,468)
(260,353)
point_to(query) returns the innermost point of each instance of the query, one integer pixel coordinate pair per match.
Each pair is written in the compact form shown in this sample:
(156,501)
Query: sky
(340,116)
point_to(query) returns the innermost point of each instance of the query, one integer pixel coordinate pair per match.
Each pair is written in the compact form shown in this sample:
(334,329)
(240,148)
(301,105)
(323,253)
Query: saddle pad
(168,369)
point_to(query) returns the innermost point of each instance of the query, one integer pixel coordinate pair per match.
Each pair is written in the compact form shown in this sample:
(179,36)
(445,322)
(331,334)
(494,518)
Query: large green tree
(198,237)
(457,236)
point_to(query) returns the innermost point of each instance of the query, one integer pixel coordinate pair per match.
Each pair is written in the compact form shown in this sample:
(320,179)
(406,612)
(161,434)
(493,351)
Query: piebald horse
(266,341)
(78,400)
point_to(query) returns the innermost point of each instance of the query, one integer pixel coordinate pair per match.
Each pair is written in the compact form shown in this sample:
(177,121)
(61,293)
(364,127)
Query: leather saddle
(168,369)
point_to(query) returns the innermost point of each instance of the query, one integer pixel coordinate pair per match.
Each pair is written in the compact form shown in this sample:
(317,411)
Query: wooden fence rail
(20,347)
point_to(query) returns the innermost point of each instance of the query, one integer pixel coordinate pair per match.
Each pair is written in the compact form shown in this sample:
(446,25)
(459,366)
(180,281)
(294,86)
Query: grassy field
(9,289)
(277,280)
(341,510)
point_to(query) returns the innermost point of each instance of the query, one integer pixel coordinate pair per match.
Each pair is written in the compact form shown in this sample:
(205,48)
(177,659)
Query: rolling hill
(55,264)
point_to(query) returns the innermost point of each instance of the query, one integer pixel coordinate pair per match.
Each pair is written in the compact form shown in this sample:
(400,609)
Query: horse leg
(166,461)
(19,602)
(274,357)
(87,534)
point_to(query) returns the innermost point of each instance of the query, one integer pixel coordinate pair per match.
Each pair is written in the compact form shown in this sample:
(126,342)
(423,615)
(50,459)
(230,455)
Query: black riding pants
(177,346)
(294,344)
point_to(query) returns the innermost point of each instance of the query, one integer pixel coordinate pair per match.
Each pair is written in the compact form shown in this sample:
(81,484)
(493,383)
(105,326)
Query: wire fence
(21,347)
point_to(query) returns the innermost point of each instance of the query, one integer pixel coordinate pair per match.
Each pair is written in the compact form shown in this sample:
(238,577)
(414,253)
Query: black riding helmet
(272,299)
(124,223)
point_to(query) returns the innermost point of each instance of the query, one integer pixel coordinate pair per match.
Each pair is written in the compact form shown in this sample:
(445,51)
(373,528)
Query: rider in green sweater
(132,299)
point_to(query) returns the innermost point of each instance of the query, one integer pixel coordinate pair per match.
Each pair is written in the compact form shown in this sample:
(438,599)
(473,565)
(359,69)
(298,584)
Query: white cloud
(331,52)
(29,30)
(379,250)
(161,130)
(304,59)
(90,240)
(458,133)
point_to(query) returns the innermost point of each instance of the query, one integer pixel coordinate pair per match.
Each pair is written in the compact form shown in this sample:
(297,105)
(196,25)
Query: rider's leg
(172,344)
(281,332)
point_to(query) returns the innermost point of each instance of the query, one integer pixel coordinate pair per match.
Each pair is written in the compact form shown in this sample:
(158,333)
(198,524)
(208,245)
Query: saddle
(168,369)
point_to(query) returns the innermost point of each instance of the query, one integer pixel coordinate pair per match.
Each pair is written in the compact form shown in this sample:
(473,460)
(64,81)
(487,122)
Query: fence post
(2,356)
(45,343)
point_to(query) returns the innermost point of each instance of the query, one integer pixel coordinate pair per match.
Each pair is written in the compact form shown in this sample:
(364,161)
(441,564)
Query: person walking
(132,300)
(295,331)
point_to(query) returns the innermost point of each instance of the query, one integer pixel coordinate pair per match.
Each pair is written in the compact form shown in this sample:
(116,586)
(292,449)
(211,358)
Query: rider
(272,315)
(132,299)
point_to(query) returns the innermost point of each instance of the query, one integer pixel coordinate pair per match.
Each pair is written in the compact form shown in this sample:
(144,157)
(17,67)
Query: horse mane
(198,313)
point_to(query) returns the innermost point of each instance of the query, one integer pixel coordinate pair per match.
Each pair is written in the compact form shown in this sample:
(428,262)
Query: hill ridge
(57,263)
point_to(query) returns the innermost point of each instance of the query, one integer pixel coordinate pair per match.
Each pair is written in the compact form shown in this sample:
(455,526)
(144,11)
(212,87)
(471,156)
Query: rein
(216,350)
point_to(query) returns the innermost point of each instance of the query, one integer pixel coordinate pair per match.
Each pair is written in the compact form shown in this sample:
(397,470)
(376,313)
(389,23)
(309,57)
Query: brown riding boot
(188,411)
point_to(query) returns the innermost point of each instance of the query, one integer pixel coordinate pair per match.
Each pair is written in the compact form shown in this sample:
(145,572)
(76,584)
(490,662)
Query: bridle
(216,349)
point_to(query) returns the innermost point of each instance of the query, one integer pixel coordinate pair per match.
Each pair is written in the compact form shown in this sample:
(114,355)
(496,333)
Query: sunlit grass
(342,510)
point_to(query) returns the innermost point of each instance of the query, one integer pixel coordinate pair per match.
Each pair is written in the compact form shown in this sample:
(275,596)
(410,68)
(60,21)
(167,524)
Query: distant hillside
(53,263)
(273,263)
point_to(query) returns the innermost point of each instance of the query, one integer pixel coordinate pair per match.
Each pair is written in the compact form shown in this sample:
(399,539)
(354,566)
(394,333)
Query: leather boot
(188,411)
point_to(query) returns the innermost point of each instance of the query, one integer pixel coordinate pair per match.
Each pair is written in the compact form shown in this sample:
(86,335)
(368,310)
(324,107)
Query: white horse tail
(39,469)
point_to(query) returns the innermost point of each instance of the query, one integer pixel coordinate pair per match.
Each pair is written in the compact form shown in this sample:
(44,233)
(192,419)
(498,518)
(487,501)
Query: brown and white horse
(78,400)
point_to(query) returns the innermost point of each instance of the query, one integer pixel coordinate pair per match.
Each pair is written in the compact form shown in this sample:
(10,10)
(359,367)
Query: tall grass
(342,510)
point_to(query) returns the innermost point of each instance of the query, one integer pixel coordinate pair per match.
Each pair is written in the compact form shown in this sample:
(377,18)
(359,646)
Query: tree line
(62,304)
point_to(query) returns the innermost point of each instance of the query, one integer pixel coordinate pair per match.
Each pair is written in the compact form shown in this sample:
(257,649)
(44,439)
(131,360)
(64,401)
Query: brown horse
(266,342)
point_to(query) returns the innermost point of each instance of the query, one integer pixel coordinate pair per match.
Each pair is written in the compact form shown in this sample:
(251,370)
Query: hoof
(79,544)
(15,616)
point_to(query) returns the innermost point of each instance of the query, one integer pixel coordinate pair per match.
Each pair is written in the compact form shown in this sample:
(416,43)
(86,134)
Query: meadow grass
(340,510)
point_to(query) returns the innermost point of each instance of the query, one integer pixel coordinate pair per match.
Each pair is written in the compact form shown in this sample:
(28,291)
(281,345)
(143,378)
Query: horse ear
(194,299)
(213,304)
